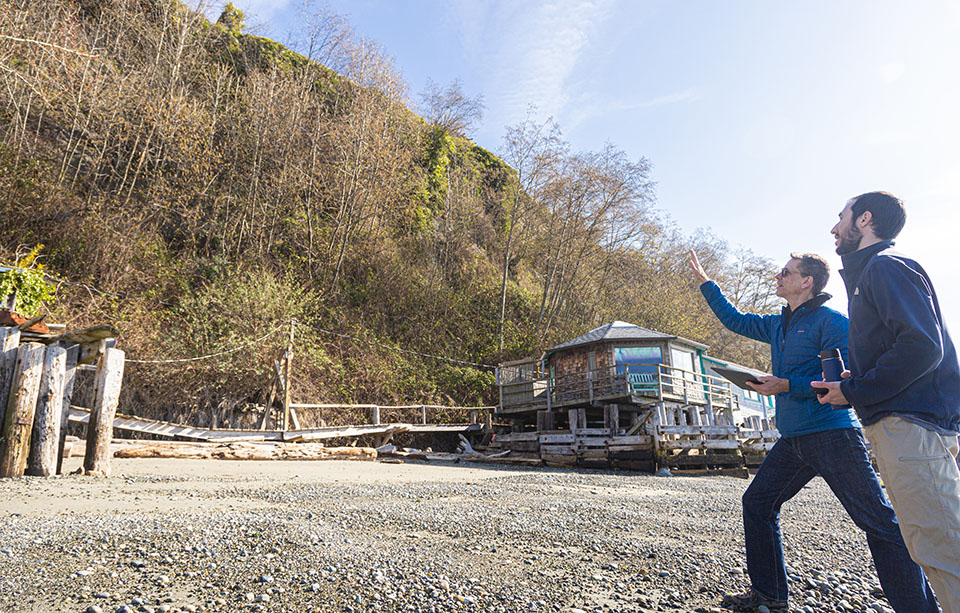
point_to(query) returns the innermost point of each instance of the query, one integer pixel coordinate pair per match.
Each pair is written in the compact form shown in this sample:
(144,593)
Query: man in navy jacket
(815,440)
(904,383)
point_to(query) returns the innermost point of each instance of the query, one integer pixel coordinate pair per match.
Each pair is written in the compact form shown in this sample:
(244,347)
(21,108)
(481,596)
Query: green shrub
(26,279)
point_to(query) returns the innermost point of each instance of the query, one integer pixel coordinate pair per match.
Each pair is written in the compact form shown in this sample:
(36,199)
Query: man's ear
(865,219)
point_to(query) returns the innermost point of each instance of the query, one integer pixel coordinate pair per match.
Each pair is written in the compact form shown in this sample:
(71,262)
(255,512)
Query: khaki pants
(919,470)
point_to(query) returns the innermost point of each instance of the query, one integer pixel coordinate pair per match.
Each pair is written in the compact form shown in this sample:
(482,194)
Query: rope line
(394,348)
(211,355)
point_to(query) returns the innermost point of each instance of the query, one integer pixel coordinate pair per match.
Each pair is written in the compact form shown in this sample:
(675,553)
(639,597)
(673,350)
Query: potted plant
(24,290)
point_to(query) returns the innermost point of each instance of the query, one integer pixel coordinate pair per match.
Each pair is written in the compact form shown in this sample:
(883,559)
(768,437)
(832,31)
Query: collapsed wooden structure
(37,375)
(627,397)
(38,371)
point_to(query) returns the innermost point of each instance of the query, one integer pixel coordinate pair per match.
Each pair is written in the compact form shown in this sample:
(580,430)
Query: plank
(93,334)
(692,430)
(242,451)
(557,450)
(556,439)
(699,444)
(638,439)
(518,437)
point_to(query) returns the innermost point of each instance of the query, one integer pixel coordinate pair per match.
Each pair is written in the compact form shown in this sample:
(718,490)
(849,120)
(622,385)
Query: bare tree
(450,108)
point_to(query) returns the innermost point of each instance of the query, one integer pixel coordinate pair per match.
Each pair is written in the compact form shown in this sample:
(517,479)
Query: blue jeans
(840,457)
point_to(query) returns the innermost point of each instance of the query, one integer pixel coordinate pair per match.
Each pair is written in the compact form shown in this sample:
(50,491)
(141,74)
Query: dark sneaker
(751,601)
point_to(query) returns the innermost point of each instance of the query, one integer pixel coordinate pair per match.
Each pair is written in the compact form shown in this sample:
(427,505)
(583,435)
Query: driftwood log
(240,451)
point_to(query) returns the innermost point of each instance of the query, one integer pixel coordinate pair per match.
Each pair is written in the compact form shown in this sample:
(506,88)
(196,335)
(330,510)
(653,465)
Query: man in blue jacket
(815,440)
(904,384)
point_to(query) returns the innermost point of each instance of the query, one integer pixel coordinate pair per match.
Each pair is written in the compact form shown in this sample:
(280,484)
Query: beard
(849,240)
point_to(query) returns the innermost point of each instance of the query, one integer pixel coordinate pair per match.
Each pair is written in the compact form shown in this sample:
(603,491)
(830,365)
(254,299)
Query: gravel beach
(207,535)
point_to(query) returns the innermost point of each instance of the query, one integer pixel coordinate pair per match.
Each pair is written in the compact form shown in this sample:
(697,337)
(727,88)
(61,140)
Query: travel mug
(831,363)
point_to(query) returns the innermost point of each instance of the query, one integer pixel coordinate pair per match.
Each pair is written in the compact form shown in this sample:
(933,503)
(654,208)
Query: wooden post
(658,413)
(375,416)
(423,414)
(549,392)
(287,378)
(611,418)
(46,424)
(70,376)
(488,420)
(9,342)
(474,416)
(106,396)
(20,410)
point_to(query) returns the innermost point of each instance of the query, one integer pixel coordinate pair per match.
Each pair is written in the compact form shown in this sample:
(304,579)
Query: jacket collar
(854,263)
(809,305)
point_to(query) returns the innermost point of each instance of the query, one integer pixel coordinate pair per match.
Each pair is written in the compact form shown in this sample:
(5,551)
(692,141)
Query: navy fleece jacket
(902,359)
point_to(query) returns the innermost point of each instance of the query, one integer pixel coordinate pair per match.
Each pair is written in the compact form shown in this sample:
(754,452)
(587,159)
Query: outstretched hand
(697,269)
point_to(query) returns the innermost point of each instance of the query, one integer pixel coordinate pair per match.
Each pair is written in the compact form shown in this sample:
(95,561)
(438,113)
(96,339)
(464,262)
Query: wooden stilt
(45,443)
(109,377)
(21,406)
(70,376)
(9,343)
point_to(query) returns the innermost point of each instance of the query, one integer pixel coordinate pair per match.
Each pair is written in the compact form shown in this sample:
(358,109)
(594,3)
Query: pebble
(525,542)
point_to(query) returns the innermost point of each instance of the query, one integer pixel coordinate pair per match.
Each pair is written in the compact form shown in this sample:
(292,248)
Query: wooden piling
(106,397)
(70,376)
(45,444)
(288,378)
(21,406)
(9,342)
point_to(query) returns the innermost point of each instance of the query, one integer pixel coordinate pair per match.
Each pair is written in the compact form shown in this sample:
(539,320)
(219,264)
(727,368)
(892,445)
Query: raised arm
(745,324)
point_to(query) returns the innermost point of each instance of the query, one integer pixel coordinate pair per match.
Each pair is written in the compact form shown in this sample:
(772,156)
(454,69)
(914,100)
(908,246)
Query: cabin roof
(620,331)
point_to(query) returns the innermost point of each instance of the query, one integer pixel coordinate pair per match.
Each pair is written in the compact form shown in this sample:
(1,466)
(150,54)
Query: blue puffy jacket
(795,355)
(902,358)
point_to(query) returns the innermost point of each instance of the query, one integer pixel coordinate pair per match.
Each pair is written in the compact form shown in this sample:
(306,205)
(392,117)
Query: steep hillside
(213,186)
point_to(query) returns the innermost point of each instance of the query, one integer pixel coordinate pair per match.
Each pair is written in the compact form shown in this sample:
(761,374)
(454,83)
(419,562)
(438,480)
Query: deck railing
(622,380)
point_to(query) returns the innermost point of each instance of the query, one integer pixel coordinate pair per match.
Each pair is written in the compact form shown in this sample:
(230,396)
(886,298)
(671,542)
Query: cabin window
(592,361)
(751,395)
(682,359)
(640,359)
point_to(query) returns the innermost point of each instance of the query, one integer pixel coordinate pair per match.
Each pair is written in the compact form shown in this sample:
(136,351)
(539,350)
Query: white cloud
(528,51)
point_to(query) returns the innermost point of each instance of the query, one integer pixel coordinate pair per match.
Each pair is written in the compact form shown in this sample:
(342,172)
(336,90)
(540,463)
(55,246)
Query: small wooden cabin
(624,395)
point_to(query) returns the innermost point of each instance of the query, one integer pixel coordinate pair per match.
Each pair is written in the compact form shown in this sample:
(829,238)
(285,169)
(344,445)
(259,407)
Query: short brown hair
(812,265)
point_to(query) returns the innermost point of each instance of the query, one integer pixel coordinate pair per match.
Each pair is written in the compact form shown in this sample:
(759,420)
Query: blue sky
(760,118)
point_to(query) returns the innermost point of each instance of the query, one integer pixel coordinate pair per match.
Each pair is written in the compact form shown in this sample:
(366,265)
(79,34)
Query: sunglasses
(786,272)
